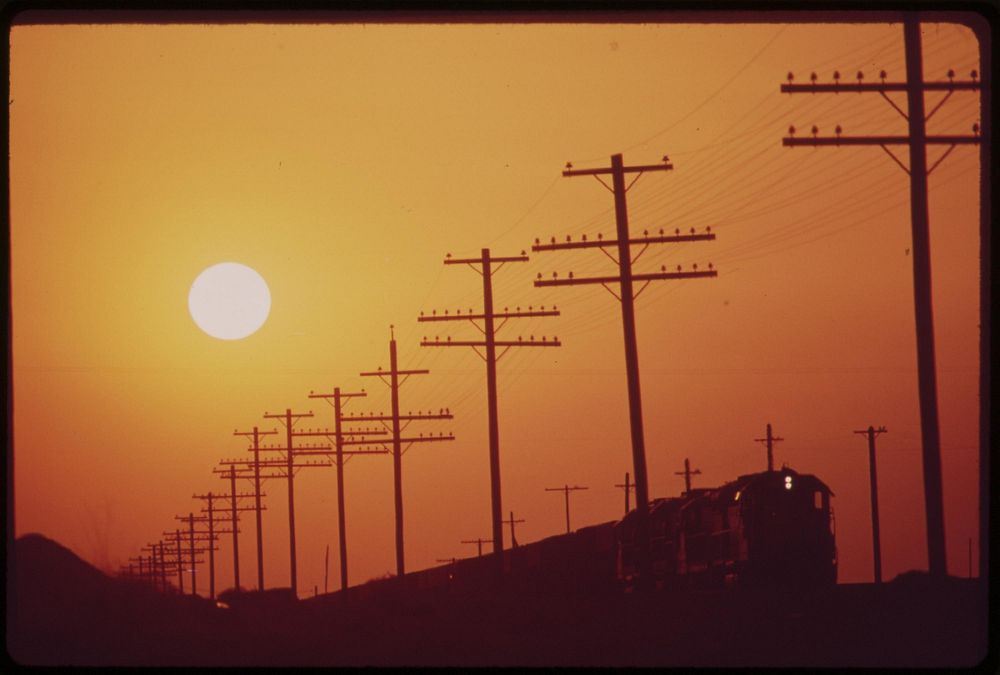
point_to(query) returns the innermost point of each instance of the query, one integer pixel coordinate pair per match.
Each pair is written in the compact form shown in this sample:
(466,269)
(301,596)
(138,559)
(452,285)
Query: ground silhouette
(65,612)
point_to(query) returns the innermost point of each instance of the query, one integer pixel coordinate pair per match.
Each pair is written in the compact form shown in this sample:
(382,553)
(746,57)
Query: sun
(229,301)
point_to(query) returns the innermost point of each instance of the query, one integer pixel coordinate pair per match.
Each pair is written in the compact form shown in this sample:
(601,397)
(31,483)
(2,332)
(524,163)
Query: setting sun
(229,301)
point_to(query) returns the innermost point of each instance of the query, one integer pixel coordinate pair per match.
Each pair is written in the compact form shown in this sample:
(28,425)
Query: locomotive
(773,528)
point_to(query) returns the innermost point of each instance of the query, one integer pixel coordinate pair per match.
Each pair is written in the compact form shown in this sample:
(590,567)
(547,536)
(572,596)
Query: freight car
(762,529)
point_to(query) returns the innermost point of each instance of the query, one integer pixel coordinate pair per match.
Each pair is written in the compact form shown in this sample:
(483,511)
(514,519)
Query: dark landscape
(65,612)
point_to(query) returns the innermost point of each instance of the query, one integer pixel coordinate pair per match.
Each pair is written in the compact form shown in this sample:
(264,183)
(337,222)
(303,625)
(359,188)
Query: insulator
(449,338)
(812,76)
(678,268)
(436,339)
(694,266)
(543,338)
(447,255)
(677,230)
(571,275)
(522,252)
(434,312)
(600,236)
(836,75)
(974,74)
(708,228)
(791,131)
(555,274)
(861,76)
(520,339)
(568,165)
(815,130)
(951,73)
(709,265)
(530,307)
(536,241)
(975,128)
(790,76)
(446,312)
(663,268)
(543,306)
(458,311)
(838,130)
(532,338)
(425,338)
(539,275)
(553,240)
(584,237)
(645,233)
(568,238)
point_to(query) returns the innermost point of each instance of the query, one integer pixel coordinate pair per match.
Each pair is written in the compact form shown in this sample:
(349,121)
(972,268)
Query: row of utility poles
(622,285)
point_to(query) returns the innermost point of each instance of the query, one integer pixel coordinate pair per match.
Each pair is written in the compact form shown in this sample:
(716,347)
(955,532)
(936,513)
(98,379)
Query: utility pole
(255,435)
(397,439)
(489,345)
(871,433)
(626,297)
(289,419)
(341,438)
(917,141)
(213,533)
(567,489)
(770,441)
(326,569)
(231,472)
(478,542)
(513,539)
(193,549)
(628,488)
(687,472)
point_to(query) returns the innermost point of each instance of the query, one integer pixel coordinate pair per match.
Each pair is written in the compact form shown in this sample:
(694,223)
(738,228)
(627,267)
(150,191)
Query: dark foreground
(67,613)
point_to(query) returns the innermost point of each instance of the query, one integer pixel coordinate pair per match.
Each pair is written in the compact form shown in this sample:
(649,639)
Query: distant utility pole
(231,472)
(871,433)
(626,297)
(513,539)
(917,140)
(687,472)
(566,489)
(341,439)
(628,488)
(489,344)
(193,549)
(478,542)
(289,419)
(156,566)
(256,435)
(769,440)
(394,384)
(213,533)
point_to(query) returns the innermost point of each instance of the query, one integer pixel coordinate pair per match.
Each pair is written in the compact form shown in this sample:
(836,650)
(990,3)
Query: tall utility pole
(871,433)
(628,488)
(626,297)
(917,141)
(289,419)
(489,345)
(687,472)
(231,472)
(478,542)
(256,435)
(213,533)
(341,439)
(769,440)
(396,418)
(566,489)
(511,521)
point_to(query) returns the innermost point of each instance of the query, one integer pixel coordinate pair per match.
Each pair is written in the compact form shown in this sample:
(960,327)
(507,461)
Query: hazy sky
(343,162)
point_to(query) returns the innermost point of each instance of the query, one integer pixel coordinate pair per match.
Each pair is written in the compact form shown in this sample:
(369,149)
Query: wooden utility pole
(232,472)
(256,435)
(917,141)
(626,297)
(513,539)
(566,489)
(213,534)
(687,473)
(628,488)
(769,440)
(478,542)
(341,439)
(396,418)
(489,345)
(289,419)
(871,433)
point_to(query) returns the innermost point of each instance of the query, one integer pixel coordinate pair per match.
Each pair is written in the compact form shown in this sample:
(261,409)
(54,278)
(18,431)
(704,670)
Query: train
(767,529)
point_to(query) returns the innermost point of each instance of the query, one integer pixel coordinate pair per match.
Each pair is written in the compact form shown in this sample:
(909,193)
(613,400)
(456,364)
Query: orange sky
(343,162)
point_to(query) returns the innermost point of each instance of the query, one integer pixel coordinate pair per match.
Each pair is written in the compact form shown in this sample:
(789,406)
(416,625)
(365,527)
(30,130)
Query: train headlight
(788,482)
